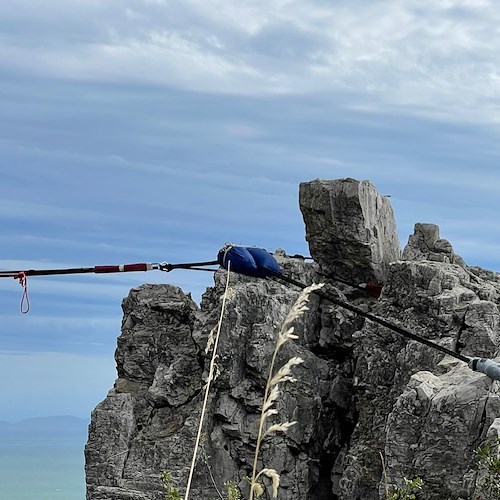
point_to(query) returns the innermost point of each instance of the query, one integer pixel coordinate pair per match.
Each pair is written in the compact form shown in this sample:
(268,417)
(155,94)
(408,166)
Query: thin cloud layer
(438,59)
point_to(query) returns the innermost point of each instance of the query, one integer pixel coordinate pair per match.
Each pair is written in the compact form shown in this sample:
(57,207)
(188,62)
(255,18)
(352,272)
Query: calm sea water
(42,467)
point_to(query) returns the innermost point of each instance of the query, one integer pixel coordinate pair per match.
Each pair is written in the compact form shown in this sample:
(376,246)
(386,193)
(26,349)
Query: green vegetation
(233,492)
(489,464)
(408,491)
(171,493)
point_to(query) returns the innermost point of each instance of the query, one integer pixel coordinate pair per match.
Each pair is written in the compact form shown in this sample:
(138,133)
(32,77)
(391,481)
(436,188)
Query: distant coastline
(56,428)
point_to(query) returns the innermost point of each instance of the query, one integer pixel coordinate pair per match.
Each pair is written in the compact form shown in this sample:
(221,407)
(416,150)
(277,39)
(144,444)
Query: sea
(42,459)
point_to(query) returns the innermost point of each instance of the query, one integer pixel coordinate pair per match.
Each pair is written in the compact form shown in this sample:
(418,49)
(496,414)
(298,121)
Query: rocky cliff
(362,392)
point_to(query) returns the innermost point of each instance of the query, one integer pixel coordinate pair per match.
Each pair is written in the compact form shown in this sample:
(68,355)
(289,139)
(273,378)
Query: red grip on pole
(123,268)
(107,269)
(135,267)
(374,289)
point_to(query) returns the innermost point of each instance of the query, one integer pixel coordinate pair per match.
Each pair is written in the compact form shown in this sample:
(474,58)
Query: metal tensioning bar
(142,266)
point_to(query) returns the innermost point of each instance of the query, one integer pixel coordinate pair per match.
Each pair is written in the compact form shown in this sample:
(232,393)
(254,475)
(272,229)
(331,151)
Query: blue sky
(151,130)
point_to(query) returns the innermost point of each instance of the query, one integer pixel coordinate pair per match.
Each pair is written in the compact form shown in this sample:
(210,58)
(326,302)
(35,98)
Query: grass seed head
(275,477)
(284,373)
(280,427)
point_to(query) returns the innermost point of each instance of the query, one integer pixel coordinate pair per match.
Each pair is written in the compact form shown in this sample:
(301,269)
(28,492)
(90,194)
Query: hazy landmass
(57,428)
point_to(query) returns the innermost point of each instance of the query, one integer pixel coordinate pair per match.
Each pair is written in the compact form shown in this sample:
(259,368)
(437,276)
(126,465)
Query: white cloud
(438,58)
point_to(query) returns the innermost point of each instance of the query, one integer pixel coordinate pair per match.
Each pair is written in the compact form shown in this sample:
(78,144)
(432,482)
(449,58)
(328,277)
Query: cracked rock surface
(362,391)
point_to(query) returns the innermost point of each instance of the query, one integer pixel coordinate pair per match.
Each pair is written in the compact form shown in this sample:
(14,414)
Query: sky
(158,130)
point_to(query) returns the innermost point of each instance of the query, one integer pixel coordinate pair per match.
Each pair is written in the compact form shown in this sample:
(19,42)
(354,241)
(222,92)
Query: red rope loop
(25,300)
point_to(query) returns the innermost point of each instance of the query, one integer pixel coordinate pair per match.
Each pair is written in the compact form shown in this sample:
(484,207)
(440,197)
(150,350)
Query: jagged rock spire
(426,244)
(350,228)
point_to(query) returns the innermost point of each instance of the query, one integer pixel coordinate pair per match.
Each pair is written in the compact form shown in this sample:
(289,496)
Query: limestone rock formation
(362,393)
(350,228)
(425,244)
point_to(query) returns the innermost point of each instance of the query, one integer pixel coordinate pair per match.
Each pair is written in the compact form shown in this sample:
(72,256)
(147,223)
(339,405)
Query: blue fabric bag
(250,261)
(264,261)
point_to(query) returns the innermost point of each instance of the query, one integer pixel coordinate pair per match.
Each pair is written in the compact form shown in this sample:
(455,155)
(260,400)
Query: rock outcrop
(362,393)
(425,244)
(350,228)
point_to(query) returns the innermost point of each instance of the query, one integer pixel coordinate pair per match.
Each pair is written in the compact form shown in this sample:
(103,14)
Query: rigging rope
(25,300)
(209,381)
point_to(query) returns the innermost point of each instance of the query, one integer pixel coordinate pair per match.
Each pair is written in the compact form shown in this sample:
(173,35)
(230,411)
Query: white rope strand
(207,387)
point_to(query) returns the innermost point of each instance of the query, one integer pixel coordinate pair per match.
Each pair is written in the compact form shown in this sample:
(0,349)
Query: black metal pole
(376,319)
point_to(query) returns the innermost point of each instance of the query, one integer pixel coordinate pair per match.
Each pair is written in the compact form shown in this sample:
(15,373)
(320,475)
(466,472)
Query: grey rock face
(134,430)
(425,244)
(363,392)
(148,422)
(350,228)
(460,403)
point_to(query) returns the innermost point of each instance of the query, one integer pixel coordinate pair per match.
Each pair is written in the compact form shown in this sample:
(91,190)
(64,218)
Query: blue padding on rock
(242,261)
(264,261)
(250,261)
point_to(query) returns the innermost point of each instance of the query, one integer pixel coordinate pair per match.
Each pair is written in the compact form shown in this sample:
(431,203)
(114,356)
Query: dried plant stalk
(272,393)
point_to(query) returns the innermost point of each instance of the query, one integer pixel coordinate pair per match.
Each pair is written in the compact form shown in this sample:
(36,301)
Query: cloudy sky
(157,130)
